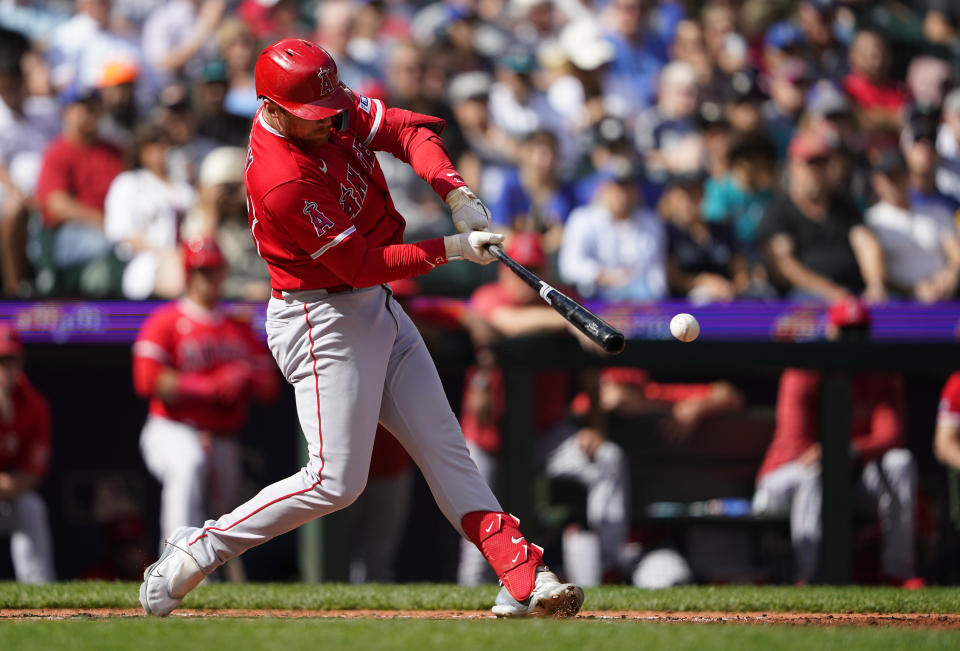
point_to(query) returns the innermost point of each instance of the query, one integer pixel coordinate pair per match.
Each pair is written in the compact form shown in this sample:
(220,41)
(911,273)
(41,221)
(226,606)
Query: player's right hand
(471,246)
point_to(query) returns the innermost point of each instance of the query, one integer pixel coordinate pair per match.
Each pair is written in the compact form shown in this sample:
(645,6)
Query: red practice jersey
(876,418)
(186,337)
(322,216)
(25,441)
(949,411)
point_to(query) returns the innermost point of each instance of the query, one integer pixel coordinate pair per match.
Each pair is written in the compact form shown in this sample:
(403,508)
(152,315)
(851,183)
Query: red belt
(336,289)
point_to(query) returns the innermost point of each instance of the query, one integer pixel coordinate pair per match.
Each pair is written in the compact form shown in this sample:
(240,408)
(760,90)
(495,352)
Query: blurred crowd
(710,150)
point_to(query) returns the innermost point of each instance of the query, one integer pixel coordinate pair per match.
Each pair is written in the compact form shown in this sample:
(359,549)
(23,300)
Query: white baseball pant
(887,486)
(353,358)
(24,518)
(605,477)
(197,472)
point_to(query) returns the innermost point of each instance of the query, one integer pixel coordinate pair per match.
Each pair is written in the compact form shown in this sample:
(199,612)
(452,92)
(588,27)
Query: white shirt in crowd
(912,241)
(593,242)
(141,206)
(948,171)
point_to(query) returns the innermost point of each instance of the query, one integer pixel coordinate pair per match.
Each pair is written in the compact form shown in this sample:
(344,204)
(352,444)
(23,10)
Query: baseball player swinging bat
(599,331)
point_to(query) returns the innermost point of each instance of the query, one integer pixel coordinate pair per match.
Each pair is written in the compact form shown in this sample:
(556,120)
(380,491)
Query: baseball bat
(599,331)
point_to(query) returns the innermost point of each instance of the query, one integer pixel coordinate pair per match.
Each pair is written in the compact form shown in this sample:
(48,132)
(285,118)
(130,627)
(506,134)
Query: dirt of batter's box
(897,620)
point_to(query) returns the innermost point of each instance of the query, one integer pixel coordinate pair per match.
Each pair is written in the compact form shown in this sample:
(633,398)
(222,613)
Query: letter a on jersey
(320,221)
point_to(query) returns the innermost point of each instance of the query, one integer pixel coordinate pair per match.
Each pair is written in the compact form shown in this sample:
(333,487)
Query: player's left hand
(469,213)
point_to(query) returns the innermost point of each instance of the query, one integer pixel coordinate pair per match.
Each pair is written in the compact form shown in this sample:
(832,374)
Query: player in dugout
(25,443)
(323,219)
(200,368)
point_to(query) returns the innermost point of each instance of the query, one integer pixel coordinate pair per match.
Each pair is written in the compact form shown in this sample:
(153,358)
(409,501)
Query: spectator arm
(62,207)
(783,263)
(866,248)
(946,444)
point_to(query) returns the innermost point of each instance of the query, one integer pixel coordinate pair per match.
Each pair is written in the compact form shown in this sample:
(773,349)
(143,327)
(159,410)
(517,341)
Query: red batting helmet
(849,312)
(301,77)
(9,341)
(201,252)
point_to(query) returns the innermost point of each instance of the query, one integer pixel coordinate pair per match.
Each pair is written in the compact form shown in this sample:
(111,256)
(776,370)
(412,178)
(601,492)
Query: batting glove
(469,213)
(471,246)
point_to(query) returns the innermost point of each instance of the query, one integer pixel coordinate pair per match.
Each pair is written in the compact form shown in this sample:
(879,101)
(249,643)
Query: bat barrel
(598,330)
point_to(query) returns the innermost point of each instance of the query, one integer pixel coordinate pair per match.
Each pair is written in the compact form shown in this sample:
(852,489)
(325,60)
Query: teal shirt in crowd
(725,201)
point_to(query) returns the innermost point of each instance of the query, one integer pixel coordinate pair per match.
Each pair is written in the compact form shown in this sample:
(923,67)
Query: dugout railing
(522,356)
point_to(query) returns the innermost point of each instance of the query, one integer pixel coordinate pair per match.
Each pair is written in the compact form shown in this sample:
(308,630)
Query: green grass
(428,597)
(181,634)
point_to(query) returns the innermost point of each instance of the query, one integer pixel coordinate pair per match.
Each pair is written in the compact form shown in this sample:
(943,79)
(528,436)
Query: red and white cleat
(549,598)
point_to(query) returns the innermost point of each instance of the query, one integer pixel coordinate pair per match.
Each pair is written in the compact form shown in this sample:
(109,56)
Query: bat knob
(614,343)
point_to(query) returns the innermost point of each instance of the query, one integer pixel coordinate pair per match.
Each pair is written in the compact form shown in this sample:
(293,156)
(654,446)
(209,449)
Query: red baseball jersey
(876,418)
(949,410)
(25,441)
(190,339)
(322,216)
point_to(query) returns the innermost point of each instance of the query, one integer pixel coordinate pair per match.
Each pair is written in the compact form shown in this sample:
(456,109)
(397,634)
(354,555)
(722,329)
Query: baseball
(684,327)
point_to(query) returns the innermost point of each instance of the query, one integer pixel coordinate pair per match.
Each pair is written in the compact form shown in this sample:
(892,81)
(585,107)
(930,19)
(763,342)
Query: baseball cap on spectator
(686,180)
(784,35)
(518,60)
(10,345)
(527,249)
(77,93)
(222,165)
(609,131)
(584,45)
(849,312)
(711,116)
(890,162)
(214,71)
(756,144)
(808,145)
(620,169)
(922,124)
(742,87)
(822,6)
(469,85)
(825,100)
(116,73)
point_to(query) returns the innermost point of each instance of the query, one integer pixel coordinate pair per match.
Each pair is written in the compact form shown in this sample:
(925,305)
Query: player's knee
(352,489)
(898,463)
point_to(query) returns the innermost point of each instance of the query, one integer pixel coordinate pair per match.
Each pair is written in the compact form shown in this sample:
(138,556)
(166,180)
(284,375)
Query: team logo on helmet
(326,86)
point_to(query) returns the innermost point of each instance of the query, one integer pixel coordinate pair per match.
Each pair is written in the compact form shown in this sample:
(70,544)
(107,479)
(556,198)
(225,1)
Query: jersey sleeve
(948,412)
(311,216)
(152,351)
(411,137)
(156,338)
